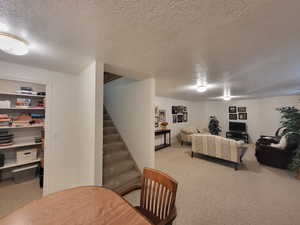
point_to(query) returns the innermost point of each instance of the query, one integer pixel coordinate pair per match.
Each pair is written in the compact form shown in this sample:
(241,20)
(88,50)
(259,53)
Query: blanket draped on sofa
(218,147)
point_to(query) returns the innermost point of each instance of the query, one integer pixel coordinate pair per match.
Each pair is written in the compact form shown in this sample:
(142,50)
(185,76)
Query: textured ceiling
(251,47)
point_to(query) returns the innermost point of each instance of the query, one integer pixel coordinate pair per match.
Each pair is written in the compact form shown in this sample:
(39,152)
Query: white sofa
(186,134)
(219,147)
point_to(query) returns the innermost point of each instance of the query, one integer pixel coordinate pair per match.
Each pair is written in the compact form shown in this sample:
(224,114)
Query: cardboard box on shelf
(5,104)
(26,155)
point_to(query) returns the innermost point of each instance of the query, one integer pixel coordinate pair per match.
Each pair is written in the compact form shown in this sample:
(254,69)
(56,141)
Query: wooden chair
(158,196)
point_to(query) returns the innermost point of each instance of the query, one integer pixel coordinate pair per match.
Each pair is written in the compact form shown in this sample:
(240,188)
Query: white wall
(62,155)
(89,119)
(98,100)
(196,114)
(263,119)
(130,104)
(262,115)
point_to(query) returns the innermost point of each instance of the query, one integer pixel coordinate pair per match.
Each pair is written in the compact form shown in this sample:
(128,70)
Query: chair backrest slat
(158,193)
(162,202)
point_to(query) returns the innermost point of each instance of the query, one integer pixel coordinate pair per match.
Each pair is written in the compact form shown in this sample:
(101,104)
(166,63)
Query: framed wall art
(174,110)
(242,109)
(232,109)
(243,116)
(233,116)
(174,118)
(180,114)
(180,118)
(162,115)
(185,116)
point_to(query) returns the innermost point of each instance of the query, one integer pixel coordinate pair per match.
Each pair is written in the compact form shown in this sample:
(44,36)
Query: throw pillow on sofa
(189,130)
(282,144)
(202,131)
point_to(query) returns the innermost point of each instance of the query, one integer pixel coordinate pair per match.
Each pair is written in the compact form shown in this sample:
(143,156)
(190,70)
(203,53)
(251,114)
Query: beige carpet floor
(213,193)
(13,196)
(210,193)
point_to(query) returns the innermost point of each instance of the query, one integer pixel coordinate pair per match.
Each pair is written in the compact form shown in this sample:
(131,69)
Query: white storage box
(26,155)
(24,173)
(5,104)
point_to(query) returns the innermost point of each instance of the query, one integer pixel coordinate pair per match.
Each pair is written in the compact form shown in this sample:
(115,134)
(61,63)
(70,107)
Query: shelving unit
(24,134)
(24,95)
(15,108)
(19,145)
(22,127)
(11,163)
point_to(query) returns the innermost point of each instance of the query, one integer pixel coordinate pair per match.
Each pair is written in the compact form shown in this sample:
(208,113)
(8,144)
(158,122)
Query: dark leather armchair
(275,139)
(270,156)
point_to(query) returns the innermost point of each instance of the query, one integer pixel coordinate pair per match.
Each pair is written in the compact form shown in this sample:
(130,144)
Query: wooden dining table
(77,206)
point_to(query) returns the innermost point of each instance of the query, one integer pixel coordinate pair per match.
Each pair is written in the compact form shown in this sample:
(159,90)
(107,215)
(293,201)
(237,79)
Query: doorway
(22,138)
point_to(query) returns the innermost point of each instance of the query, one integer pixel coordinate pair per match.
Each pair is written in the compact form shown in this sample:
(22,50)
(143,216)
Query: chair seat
(154,219)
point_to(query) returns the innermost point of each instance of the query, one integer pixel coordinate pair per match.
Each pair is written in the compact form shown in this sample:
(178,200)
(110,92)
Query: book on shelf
(23,117)
(24,92)
(26,88)
(37,115)
(27,92)
(41,93)
(4,124)
(22,107)
(4,120)
(4,116)
(37,107)
(6,137)
(6,144)
(21,122)
(23,103)
(27,124)
(7,141)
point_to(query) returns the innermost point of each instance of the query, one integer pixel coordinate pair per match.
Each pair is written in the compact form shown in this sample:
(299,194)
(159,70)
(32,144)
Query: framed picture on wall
(156,117)
(180,109)
(185,116)
(180,118)
(232,109)
(156,121)
(242,109)
(232,116)
(174,109)
(162,115)
(174,118)
(242,116)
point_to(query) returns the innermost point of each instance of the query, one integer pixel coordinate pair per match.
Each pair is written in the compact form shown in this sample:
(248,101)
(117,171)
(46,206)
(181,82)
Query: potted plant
(290,120)
(295,164)
(213,126)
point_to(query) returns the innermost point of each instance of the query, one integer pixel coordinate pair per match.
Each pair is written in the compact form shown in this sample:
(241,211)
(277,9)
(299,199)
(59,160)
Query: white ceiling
(249,46)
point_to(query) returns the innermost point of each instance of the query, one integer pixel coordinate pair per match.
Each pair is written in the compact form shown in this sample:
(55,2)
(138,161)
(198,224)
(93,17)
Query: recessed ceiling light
(201,88)
(12,44)
(227,98)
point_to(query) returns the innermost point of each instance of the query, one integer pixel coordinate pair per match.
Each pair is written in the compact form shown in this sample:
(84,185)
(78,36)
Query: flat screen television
(237,126)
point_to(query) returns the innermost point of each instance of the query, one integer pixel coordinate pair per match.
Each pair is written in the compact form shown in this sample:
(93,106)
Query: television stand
(238,135)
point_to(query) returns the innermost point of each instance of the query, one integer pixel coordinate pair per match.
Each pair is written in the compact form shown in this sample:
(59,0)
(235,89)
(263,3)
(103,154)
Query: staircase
(120,172)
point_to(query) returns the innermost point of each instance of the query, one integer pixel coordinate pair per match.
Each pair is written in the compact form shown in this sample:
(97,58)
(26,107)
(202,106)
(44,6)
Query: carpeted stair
(120,172)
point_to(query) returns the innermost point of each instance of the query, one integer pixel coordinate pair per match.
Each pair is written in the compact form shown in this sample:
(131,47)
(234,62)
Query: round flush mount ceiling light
(3,27)
(201,88)
(12,44)
(227,98)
